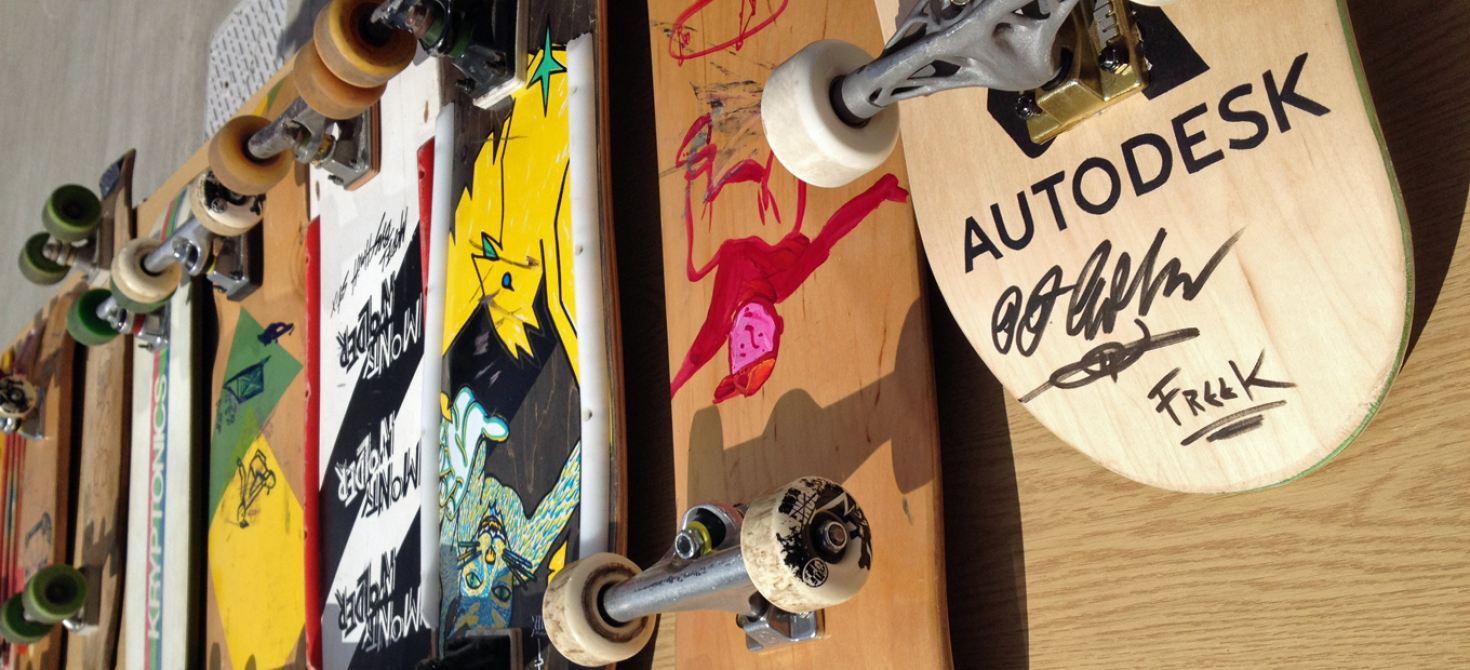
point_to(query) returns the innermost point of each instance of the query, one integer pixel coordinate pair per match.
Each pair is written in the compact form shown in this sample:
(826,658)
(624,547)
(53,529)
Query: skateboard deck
(38,466)
(798,331)
(531,457)
(376,504)
(1206,288)
(163,599)
(256,521)
(101,496)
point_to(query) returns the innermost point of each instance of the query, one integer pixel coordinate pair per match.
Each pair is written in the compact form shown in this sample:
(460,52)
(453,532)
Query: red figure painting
(753,276)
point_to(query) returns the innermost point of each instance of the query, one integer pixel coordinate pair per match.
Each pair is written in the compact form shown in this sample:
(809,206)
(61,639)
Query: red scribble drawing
(753,275)
(680,35)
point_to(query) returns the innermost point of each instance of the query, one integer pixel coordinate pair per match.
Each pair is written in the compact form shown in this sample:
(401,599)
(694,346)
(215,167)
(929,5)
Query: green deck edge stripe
(1398,197)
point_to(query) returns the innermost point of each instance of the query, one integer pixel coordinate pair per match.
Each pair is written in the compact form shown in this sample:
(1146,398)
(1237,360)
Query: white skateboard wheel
(806,133)
(139,285)
(788,563)
(573,613)
(1154,3)
(220,210)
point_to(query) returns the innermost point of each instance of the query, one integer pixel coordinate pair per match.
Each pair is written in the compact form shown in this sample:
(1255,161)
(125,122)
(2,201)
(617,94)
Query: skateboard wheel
(131,279)
(805,132)
(1154,3)
(573,614)
(357,54)
(71,213)
(14,626)
(54,594)
(325,92)
(17,397)
(83,323)
(35,266)
(233,165)
(134,306)
(806,545)
(221,210)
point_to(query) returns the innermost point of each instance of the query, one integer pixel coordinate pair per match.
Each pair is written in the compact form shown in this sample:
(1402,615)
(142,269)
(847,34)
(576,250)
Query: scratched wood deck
(831,280)
(37,517)
(1205,288)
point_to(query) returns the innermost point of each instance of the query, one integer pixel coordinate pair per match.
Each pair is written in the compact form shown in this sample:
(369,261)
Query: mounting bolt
(465,86)
(830,536)
(1026,106)
(688,544)
(1113,58)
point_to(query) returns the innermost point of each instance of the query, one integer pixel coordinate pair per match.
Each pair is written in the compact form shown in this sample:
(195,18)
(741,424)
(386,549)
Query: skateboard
(531,463)
(100,495)
(373,602)
(39,587)
(803,402)
(1174,282)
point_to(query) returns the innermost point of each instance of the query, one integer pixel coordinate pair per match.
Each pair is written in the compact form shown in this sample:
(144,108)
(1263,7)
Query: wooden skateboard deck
(101,495)
(1206,287)
(375,501)
(38,466)
(256,601)
(530,471)
(163,599)
(798,331)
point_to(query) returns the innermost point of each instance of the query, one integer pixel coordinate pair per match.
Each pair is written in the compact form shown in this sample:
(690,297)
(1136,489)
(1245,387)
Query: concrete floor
(82,81)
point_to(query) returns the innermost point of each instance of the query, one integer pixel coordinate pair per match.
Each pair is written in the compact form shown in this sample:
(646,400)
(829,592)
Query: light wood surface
(1284,348)
(100,533)
(851,396)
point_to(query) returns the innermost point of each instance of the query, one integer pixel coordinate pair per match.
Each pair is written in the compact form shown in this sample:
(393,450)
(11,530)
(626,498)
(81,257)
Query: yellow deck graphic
(259,526)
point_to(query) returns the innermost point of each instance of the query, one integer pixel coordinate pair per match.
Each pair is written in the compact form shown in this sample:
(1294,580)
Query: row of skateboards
(222,432)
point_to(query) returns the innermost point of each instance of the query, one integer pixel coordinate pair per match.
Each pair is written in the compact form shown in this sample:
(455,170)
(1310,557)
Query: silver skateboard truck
(824,109)
(774,564)
(484,40)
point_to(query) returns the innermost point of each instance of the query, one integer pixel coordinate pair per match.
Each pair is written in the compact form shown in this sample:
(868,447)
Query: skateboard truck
(775,564)
(1070,59)
(483,40)
(344,148)
(150,329)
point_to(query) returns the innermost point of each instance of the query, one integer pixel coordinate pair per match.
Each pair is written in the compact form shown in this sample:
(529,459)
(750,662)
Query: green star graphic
(548,66)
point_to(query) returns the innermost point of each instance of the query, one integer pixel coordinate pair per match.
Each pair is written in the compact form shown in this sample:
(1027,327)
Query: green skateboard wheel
(133,305)
(85,326)
(34,265)
(55,594)
(14,626)
(71,213)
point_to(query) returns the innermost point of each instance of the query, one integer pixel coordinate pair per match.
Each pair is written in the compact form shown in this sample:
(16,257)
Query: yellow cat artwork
(512,229)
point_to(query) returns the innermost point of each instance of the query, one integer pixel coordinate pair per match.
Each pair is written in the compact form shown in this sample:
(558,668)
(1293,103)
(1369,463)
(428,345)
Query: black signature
(1110,359)
(1094,306)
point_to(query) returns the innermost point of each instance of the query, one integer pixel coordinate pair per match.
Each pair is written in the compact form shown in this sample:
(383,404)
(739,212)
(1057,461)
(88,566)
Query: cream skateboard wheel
(807,545)
(327,93)
(357,56)
(222,210)
(71,213)
(83,323)
(131,279)
(14,626)
(17,397)
(805,132)
(35,266)
(54,594)
(573,613)
(233,165)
